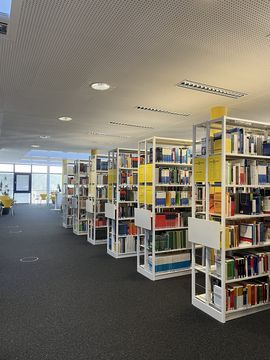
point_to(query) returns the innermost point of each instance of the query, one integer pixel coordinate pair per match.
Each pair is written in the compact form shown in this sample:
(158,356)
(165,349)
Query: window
(6,184)
(55,180)
(6,167)
(5,7)
(39,169)
(56,169)
(23,168)
(39,186)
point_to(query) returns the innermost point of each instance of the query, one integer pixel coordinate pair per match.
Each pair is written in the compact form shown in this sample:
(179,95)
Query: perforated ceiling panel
(142,49)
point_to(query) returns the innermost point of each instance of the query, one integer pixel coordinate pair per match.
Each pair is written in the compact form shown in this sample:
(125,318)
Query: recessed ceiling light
(65,118)
(44,136)
(193,85)
(35,146)
(100,86)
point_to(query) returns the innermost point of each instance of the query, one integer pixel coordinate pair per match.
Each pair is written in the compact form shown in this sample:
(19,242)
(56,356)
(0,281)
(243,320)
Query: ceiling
(142,48)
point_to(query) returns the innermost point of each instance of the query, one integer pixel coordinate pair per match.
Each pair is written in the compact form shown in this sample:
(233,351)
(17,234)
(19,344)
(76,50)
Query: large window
(46,179)
(39,187)
(6,184)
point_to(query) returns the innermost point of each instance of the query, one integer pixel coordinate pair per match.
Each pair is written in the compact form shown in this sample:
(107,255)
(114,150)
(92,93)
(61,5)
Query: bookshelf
(230,224)
(68,192)
(80,221)
(97,198)
(164,204)
(122,201)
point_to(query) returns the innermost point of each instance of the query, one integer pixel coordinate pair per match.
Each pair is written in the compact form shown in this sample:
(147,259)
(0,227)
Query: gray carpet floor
(77,303)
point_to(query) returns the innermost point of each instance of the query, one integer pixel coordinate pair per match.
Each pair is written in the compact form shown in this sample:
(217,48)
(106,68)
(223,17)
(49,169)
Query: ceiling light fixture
(35,146)
(130,125)
(65,118)
(161,111)
(45,136)
(100,86)
(193,85)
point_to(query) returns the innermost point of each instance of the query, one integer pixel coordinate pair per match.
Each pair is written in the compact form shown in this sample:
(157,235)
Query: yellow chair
(53,197)
(43,197)
(7,204)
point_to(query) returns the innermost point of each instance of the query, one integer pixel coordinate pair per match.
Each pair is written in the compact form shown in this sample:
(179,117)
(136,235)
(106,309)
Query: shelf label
(214,168)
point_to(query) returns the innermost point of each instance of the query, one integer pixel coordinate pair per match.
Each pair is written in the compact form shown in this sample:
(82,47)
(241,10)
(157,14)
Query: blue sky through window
(5,6)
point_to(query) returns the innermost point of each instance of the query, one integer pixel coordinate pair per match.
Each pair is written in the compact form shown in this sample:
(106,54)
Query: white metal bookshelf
(67,193)
(122,201)
(230,217)
(97,197)
(79,199)
(164,204)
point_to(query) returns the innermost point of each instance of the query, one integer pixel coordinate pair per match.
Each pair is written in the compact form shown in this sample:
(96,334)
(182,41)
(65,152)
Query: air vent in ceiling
(97,133)
(130,125)
(193,85)
(161,111)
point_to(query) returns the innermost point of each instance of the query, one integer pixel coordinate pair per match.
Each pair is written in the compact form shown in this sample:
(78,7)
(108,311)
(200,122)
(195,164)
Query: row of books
(70,180)
(128,195)
(83,181)
(70,191)
(128,177)
(171,198)
(82,226)
(170,262)
(126,210)
(128,160)
(245,234)
(127,228)
(172,219)
(102,165)
(247,172)
(238,141)
(102,179)
(124,245)
(101,221)
(246,294)
(244,264)
(173,176)
(102,192)
(169,240)
(174,155)
(248,203)
(100,206)
(82,168)
(82,191)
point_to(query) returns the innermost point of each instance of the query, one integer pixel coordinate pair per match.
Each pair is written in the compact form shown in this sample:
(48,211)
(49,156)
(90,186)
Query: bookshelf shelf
(231,184)
(122,201)
(163,207)
(98,192)
(68,191)
(80,196)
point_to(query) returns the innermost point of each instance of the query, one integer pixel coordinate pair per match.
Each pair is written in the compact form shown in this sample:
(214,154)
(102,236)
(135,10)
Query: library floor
(77,303)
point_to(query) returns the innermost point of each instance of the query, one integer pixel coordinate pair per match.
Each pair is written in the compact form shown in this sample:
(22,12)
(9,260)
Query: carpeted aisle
(77,303)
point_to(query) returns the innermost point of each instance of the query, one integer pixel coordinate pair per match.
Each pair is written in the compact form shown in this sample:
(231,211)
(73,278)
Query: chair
(6,204)
(12,212)
(43,197)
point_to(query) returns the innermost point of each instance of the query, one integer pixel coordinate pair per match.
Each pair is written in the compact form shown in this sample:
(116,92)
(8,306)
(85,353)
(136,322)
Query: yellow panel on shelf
(141,173)
(149,192)
(199,169)
(149,173)
(214,168)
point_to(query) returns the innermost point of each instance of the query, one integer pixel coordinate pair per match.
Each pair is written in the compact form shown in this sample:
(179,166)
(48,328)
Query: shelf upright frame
(77,199)
(113,219)
(204,301)
(66,199)
(94,199)
(151,210)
